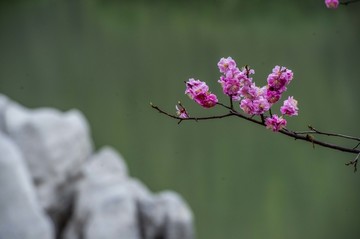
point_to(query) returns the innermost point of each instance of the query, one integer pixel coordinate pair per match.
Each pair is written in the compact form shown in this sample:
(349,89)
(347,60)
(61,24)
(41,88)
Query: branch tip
(353,163)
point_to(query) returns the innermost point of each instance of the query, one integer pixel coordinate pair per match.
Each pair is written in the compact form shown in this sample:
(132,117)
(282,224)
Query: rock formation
(53,184)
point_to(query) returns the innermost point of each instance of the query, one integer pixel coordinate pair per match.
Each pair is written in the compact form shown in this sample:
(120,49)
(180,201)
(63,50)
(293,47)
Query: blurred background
(111,58)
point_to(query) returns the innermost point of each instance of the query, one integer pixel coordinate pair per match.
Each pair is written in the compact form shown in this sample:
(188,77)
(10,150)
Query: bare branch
(309,138)
(315,131)
(353,162)
(349,1)
(304,135)
(357,146)
(190,118)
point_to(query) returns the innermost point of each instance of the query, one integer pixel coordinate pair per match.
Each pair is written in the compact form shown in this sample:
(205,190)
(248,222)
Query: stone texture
(166,215)
(47,166)
(4,101)
(109,204)
(21,216)
(54,144)
(103,207)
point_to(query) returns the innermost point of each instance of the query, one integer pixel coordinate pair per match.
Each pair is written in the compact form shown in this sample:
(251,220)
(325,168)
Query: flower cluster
(275,123)
(233,79)
(289,107)
(198,90)
(332,3)
(240,87)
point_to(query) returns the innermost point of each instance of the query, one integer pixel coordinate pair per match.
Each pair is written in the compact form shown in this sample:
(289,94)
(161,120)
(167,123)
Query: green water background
(109,59)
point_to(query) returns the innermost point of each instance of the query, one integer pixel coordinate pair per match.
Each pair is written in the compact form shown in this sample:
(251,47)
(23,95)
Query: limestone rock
(103,207)
(4,101)
(54,145)
(21,216)
(166,215)
(46,165)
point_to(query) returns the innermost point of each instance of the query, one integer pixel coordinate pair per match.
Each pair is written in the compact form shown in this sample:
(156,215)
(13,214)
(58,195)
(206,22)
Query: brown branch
(190,118)
(318,142)
(315,131)
(304,135)
(353,162)
(293,134)
(357,146)
(348,2)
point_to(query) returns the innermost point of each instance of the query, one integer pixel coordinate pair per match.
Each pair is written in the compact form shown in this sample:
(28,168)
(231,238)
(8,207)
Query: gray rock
(4,101)
(87,197)
(103,208)
(54,144)
(21,216)
(166,215)
(106,162)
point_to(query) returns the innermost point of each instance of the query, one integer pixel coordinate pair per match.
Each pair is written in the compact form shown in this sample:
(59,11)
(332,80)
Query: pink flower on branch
(261,105)
(231,86)
(279,79)
(181,111)
(256,101)
(290,107)
(275,123)
(226,64)
(332,3)
(195,88)
(206,100)
(250,91)
(247,106)
(272,96)
(199,92)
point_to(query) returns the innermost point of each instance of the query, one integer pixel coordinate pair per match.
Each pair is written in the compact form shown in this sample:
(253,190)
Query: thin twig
(225,106)
(348,2)
(231,103)
(315,131)
(333,134)
(357,146)
(262,118)
(287,132)
(318,142)
(190,118)
(353,162)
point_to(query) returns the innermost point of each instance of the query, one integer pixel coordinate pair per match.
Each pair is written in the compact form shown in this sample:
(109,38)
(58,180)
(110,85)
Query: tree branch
(348,2)
(297,135)
(190,118)
(315,131)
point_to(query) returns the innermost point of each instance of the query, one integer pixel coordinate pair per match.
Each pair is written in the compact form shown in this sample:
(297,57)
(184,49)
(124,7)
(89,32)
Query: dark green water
(111,58)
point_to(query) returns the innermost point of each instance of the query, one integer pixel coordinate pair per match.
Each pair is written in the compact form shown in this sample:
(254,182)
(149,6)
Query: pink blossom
(245,75)
(257,106)
(199,91)
(290,107)
(181,111)
(261,105)
(332,3)
(231,86)
(195,87)
(275,123)
(247,106)
(233,81)
(272,96)
(247,71)
(206,100)
(279,79)
(226,64)
(250,92)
